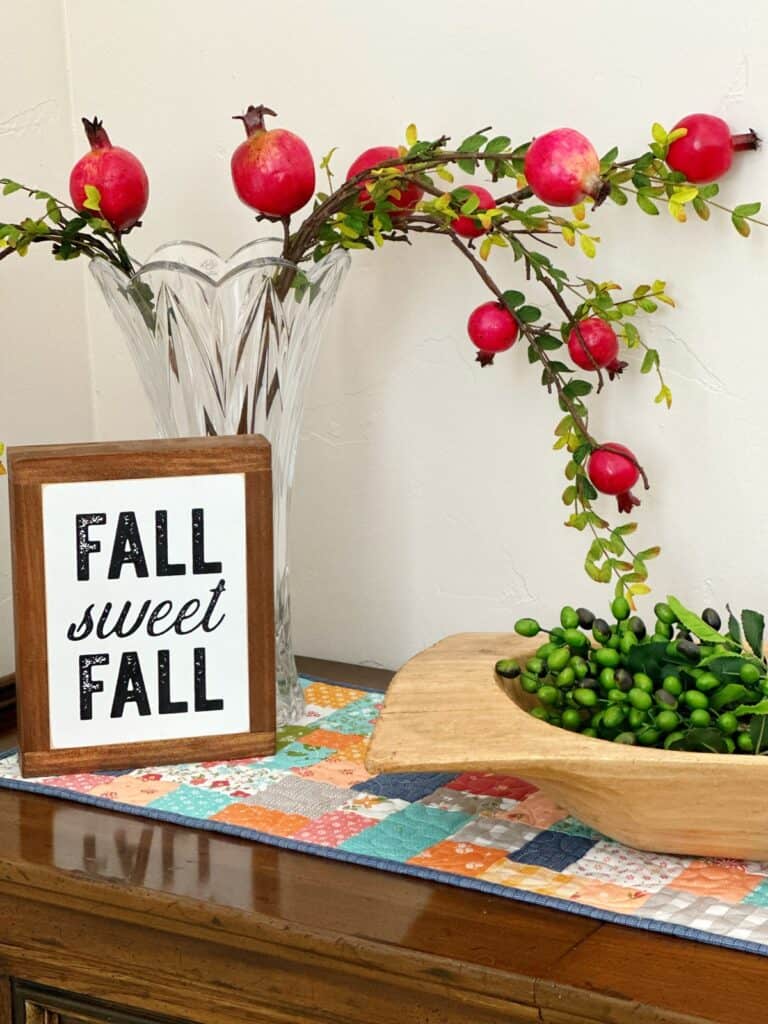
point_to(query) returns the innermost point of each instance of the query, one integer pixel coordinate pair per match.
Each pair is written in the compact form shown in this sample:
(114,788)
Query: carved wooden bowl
(447,711)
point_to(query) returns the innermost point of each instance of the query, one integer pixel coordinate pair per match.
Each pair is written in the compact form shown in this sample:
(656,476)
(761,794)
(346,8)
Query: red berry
(492,328)
(410,193)
(465,225)
(117,174)
(562,168)
(594,346)
(273,170)
(613,469)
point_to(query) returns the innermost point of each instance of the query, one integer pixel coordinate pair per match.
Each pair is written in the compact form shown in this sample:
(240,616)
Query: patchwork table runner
(493,833)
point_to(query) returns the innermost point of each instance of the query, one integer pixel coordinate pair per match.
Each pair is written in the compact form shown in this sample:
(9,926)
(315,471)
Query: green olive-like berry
(586,618)
(727,723)
(575,638)
(548,694)
(606,656)
(613,717)
(569,617)
(541,713)
(663,630)
(730,746)
(571,719)
(744,742)
(613,642)
(601,631)
(508,668)
(586,698)
(589,683)
(566,677)
(628,641)
(529,684)
(749,673)
(558,659)
(711,617)
(644,682)
(637,627)
(689,650)
(606,678)
(546,649)
(667,720)
(707,681)
(664,613)
(700,718)
(535,666)
(589,731)
(649,737)
(672,685)
(635,718)
(527,627)
(617,696)
(620,608)
(579,666)
(626,737)
(695,699)
(640,699)
(623,680)
(665,699)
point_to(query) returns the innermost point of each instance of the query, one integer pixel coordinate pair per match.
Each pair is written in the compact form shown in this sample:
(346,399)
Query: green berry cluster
(684,686)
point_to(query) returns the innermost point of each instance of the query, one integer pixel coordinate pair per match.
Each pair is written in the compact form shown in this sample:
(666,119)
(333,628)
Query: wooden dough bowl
(446,711)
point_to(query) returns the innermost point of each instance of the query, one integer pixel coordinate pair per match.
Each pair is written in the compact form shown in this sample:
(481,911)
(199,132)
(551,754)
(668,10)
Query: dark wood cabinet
(35,1004)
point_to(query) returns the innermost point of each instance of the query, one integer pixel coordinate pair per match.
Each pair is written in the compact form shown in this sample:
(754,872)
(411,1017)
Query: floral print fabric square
(496,833)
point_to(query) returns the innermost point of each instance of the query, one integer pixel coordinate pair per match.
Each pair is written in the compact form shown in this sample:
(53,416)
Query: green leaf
(577,388)
(650,361)
(741,225)
(731,693)
(693,623)
(468,166)
(10,186)
(587,246)
(686,194)
(470,204)
(513,299)
(758,731)
(734,629)
(760,708)
(54,213)
(754,628)
(498,145)
(549,343)
(473,143)
(710,740)
(608,159)
(647,205)
(658,133)
(617,196)
(92,198)
(747,209)
(527,314)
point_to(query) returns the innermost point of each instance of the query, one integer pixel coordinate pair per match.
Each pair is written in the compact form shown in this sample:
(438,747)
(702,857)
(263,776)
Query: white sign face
(147,606)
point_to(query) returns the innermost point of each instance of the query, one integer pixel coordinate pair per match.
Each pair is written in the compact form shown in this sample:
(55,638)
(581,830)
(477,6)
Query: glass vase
(227,346)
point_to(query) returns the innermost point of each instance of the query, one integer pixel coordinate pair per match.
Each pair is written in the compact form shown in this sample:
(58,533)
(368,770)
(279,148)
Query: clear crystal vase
(228,347)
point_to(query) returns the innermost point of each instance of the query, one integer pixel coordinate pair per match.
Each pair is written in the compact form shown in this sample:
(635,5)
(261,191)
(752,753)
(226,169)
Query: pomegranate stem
(253,118)
(745,140)
(96,133)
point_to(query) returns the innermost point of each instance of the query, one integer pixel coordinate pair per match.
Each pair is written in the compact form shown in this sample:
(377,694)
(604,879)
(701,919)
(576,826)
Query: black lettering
(199,564)
(163,609)
(217,591)
(187,610)
(130,687)
(86,546)
(83,629)
(164,567)
(89,685)
(202,701)
(127,549)
(165,704)
(119,628)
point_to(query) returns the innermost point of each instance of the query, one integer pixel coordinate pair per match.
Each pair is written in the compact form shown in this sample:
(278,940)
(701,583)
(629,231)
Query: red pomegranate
(117,174)
(410,193)
(613,469)
(593,345)
(492,328)
(562,168)
(273,170)
(465,225)
(706,151)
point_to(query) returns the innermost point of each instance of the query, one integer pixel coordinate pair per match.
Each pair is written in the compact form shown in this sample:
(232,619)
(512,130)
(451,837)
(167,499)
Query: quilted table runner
(493,833)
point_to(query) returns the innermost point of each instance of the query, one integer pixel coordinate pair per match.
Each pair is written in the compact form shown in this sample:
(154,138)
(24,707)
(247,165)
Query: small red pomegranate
(562,168)
(613,469)
(492,328)
(117,174)
(410,193)
(706,151)
(594,346)
(273,170)
(465,225)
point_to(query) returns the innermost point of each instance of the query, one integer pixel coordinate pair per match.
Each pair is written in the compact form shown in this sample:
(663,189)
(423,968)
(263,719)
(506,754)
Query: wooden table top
(549,966)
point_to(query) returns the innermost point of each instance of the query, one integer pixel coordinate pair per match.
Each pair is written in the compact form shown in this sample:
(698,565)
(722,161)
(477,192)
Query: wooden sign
(143,602)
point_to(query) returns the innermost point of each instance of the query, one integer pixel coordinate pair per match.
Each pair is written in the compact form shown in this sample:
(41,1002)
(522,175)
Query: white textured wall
(427,494)
(45,378)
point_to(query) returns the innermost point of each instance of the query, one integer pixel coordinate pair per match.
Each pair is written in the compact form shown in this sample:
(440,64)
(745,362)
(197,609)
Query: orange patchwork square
(608,896)
(262,819)
(337,770)
(325,696)
(535,809)
(721,881)
(331,740)
(128,789)
(459,858)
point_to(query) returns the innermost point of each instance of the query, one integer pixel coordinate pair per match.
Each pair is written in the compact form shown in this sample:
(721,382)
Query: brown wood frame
(33,466)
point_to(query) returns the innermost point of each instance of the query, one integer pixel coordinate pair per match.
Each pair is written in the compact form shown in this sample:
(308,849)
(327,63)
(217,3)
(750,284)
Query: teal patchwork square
(356,718)
(297,755)
(406,833)
(192,801)
(574,827)
(759,896)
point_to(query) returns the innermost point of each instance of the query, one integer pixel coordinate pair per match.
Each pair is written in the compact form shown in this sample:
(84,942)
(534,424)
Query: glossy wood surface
(184,923)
